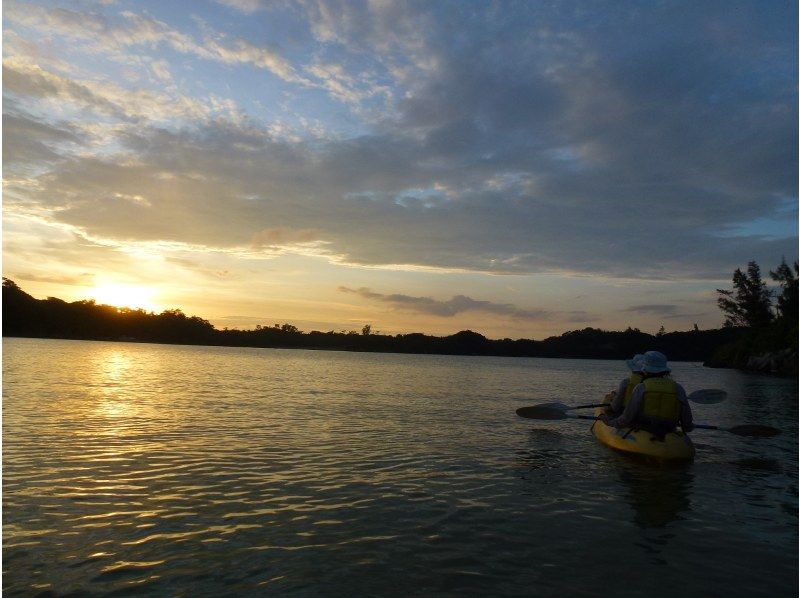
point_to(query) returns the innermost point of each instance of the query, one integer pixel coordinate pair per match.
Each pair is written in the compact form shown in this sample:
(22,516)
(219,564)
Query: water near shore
(171,470)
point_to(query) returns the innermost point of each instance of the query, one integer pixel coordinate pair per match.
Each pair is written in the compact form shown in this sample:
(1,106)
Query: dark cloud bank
(452,307)
(623,140)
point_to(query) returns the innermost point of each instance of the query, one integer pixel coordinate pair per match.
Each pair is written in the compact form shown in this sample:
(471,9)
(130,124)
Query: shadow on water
(657,495)
(541,460)
(759,464)
(543,450)
(545,436)
(706,449)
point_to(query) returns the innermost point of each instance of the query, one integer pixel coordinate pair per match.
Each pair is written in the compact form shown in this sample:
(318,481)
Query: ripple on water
(196,470)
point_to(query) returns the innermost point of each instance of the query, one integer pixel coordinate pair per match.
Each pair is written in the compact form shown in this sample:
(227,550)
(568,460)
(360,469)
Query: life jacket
(633,382)
(661,405)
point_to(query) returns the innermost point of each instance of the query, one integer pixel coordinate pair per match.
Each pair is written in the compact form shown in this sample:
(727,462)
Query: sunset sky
(516,168)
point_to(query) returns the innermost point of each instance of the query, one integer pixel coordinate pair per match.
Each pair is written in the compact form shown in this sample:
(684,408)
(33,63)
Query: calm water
(170,470)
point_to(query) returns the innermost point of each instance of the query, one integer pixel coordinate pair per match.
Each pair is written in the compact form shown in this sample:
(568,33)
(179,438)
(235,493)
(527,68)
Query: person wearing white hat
(625,389)
(658,403)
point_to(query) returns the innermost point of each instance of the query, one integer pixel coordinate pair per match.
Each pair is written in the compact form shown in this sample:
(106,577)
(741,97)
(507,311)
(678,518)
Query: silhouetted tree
(785,325)
(748,304)
(366,330)
(787,300)
(771,338)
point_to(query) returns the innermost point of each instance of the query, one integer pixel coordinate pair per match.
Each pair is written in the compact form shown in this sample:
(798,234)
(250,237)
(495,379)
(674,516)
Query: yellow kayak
(675,446)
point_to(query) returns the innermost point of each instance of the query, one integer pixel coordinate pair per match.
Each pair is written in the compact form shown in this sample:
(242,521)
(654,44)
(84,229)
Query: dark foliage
(769,332)
(24,315)
(749,303)
(53,318)
(787,306)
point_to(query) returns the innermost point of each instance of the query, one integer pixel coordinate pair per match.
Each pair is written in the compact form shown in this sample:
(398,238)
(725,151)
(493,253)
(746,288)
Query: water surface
(173,470)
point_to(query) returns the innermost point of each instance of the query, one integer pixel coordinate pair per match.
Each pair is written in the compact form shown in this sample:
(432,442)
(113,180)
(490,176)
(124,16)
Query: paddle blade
(754,430)
(708,396)
(542,412)
(560,406)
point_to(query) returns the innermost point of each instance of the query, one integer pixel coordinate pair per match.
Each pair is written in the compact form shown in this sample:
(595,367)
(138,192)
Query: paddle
(550,411)
(564,407)
(553,412)
(706,396)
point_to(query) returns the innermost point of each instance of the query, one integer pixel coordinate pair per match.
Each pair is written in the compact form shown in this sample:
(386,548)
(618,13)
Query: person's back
(661,406)
(658,403)
(625,389)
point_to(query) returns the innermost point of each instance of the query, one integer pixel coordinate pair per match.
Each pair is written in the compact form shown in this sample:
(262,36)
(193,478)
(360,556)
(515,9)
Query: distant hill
(25,316)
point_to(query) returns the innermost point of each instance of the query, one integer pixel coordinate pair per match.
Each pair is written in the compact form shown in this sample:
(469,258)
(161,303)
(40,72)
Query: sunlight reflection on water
(205,470)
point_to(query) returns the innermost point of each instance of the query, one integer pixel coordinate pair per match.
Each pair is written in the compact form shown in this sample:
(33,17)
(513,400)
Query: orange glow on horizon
(125,295)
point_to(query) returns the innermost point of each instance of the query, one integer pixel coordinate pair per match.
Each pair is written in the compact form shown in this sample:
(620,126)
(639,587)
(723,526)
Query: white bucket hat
(635,363)
(654,363)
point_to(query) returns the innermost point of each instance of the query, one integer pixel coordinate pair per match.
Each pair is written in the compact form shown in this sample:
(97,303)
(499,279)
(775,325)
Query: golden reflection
(111,372)
(115,409)
(115,415)
(109,382)
(117,398)
(114,366)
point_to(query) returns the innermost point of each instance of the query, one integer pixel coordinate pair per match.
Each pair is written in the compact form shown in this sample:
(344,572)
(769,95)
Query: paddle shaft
(550,413)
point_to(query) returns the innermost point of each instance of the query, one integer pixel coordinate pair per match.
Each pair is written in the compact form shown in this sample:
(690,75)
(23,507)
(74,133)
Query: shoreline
(340,350)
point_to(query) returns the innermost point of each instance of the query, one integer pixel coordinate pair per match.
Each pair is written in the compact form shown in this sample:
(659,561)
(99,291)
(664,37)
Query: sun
(125,295)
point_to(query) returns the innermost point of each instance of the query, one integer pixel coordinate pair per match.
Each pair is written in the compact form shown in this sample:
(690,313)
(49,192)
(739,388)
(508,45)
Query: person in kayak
(658,404)
(625,389)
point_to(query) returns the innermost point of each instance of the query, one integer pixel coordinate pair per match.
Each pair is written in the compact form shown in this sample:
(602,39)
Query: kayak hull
(676,446)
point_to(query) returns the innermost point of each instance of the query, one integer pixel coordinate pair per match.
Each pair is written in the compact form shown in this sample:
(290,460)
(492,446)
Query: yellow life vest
(633,382)
(661,400)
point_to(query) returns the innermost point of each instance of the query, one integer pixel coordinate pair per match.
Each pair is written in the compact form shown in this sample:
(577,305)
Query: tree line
(767,316)
(23,315)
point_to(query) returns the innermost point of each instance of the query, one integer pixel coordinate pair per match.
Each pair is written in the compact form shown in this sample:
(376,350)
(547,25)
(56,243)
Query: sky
(516,168)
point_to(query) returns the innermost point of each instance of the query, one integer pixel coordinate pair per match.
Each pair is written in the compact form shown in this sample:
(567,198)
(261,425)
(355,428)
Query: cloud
(81,280)
(523,140)
(224,184)
(32,245)
(662,310)
(27,140)
(246,6)
(283,237)
(397,32)
(137,30)
(580,317)
(97,31)
(458,304)
(24,79)
(668,311)
(161,70)
(687,315)
(342,85)
(194,265)
(104,36)
(243,52)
